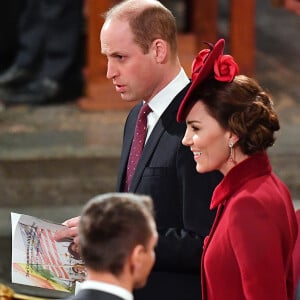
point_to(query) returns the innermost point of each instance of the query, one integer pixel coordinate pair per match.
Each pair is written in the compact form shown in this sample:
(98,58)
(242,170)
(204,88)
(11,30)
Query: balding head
(148,20)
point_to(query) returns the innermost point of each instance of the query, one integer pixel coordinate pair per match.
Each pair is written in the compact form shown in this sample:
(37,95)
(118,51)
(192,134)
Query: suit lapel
(167,118)
(127,140)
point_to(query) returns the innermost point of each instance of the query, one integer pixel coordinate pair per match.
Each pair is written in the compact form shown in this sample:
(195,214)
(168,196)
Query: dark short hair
(111,225)
(242,107)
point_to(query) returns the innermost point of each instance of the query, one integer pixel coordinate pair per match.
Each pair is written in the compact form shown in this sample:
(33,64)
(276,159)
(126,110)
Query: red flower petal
(225,68)
(199,60)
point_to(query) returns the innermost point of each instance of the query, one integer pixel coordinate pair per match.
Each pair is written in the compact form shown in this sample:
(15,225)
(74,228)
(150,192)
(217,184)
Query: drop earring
(231,156)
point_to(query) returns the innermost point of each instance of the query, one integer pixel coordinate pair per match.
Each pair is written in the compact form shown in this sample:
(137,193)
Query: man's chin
(127,98)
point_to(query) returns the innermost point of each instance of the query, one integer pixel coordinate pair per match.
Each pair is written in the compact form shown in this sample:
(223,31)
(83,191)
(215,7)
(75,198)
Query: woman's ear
(233,139)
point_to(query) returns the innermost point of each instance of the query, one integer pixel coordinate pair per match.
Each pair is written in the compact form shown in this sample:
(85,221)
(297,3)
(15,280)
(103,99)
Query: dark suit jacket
(167,172)
(90,294)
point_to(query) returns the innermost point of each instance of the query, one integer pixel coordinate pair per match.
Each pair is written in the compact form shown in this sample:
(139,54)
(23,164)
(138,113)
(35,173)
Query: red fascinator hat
(208,62)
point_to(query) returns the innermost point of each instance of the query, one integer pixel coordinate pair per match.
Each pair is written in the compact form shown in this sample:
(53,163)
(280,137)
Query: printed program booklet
(38,260)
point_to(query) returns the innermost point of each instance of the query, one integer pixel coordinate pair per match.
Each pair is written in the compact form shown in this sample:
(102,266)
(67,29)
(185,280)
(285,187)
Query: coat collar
(254,166)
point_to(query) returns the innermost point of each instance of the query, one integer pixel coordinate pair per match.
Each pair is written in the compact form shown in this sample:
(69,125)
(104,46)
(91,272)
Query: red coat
(248,253)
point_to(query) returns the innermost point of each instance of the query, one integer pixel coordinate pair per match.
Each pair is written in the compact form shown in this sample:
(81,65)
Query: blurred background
(55,156)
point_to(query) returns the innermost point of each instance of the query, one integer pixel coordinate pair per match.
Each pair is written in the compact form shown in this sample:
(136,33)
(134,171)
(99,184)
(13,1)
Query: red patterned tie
(138,142)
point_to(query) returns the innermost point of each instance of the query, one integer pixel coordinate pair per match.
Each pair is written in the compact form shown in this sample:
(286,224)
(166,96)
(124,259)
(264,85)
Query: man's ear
(160,50)
(137,253)
(136,258)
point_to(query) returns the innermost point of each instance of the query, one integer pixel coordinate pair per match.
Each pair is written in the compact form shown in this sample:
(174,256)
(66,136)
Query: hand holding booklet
(39,260)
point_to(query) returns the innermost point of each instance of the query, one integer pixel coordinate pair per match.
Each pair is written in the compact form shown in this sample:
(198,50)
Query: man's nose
(111,71)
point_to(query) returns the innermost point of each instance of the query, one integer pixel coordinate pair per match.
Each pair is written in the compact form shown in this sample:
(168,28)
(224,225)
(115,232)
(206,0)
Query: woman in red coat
(230,124)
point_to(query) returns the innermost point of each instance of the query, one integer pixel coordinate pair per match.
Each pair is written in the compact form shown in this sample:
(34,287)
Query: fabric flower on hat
(225,68)
(199,61)
(209,63)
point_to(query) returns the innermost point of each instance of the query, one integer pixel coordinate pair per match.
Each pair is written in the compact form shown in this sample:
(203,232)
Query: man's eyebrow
(114,53)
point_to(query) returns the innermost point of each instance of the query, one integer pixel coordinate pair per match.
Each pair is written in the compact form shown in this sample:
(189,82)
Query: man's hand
(70,232)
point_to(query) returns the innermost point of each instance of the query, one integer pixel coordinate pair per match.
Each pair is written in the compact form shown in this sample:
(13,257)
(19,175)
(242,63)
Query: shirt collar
(106,287)
(161,101)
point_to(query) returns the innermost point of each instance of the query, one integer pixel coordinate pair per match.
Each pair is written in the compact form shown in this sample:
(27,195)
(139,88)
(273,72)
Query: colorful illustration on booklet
(39,260)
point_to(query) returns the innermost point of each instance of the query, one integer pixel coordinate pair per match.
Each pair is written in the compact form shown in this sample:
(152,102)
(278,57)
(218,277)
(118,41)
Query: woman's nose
(186,141)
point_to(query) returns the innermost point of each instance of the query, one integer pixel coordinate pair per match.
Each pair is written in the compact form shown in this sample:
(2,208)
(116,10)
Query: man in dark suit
(48,63)
(139,40)
(117,236)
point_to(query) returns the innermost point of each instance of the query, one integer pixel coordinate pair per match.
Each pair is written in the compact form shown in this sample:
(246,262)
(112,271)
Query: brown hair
(110,227)
(242,107)
(148,20)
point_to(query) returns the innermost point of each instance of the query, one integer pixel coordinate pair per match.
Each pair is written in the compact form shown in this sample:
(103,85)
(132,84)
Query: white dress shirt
(162,100)
(105,287)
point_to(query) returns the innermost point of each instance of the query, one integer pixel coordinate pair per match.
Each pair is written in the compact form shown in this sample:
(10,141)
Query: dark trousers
(9,18)
(51,38)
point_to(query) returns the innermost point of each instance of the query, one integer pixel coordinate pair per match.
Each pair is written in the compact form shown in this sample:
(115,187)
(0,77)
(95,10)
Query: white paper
(38,260)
